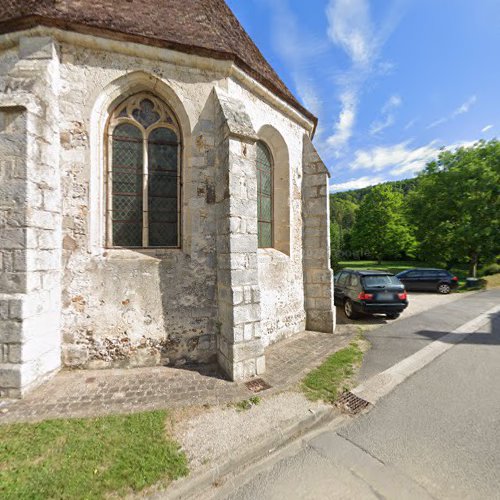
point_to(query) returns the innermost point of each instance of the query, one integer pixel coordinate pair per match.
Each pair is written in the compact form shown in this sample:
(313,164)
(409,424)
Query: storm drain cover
(352,404)
(257,385)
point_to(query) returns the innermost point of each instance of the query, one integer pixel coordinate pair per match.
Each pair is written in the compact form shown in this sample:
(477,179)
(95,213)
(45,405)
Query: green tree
(381,229)
(455,206)
(343,216)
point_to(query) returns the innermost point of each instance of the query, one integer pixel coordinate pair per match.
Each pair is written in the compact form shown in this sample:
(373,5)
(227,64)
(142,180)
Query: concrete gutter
(191,486)
(380,385)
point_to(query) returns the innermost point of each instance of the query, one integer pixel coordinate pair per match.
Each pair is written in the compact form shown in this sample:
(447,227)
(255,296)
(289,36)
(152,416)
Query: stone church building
(161,202)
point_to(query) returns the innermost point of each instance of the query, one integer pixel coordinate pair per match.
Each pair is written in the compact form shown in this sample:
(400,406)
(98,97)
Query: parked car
(369,292)
(431,280)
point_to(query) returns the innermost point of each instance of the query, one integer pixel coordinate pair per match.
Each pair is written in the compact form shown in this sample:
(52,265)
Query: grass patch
(87,458)
(246,404)
(330,379)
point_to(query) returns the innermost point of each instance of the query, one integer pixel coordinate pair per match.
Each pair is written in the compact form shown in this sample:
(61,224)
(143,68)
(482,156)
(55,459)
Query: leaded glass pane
(127,157)
(265,235)
(266,210)
(264,195)
(163,188)
(266,183)
(145,114)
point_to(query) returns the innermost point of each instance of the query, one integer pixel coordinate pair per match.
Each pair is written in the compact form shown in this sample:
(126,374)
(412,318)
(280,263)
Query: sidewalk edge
(190,486)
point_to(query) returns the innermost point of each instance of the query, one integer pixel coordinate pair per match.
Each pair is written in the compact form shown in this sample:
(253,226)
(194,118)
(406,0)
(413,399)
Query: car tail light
(365,296)
(402,296)
(454,278)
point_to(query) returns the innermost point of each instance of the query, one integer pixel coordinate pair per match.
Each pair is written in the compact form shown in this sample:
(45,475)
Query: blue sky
(391,81)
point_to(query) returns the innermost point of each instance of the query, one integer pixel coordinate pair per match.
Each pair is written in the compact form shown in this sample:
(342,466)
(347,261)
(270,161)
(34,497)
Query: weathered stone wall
(240,348)
(216,298)
(30,222)
(124,307)
(318,277)
(281,278)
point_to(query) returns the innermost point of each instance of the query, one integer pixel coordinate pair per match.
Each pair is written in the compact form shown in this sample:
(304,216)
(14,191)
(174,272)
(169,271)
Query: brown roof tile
(205,27)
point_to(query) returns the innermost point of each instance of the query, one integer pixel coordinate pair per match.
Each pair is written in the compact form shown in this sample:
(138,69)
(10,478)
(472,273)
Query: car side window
(343,278)
(354,280)
(413,274)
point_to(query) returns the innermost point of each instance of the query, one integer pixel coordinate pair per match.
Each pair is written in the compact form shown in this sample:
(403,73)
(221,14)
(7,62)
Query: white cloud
(410,124)
(462,109)
(351,28)
(356,184)
(400,158)
(485,129)
(300,50)
(388,115)
(345,124)
(465,107)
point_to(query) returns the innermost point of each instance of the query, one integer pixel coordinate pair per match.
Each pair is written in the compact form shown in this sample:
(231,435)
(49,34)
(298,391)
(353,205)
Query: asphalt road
(437,435)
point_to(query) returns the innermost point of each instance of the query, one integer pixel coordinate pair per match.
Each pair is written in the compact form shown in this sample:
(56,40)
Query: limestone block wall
(240,348)
(318,277)
(218,297)
(30,218)
(159,306)
(280,269)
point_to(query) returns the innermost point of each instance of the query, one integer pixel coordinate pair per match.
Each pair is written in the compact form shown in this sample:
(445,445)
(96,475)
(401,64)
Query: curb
(191,486)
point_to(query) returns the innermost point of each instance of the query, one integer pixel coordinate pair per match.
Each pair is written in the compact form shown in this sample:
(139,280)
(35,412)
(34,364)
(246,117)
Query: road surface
(437,435)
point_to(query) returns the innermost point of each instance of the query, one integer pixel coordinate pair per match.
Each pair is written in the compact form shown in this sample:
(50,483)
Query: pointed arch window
(265,200)
(144,175)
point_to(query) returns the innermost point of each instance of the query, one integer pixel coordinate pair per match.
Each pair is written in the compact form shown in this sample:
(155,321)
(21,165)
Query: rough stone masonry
(69,297)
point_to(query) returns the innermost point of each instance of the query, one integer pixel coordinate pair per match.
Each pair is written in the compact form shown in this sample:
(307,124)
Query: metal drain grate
(257,385)
(352,404)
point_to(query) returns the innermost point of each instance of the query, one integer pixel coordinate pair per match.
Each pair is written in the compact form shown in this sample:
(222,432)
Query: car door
(339,288)
(411,280)
(429,280)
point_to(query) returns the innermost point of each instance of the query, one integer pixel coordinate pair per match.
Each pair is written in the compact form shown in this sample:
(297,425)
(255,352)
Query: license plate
(385,296)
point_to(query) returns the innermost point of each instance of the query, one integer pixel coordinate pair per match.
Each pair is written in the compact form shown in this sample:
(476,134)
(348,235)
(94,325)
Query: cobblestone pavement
(88,393)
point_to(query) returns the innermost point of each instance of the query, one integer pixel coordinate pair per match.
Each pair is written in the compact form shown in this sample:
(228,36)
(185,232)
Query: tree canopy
(381,229)
(455,206)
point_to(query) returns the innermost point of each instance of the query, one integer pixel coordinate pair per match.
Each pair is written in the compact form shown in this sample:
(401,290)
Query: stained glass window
(127,186)
(145,152)
(264,195)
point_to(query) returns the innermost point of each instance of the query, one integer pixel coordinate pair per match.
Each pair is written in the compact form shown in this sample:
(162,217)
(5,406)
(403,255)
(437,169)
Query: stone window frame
(167,120)
(278,148)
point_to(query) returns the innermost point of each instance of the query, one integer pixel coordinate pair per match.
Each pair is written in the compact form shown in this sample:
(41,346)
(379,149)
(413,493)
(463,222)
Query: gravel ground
(418,303)
(217,433)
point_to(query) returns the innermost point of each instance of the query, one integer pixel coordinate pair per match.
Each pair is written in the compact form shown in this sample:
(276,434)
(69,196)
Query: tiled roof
(204,27)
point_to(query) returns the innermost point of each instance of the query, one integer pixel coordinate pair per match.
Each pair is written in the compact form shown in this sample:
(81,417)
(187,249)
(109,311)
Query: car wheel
(392,316)
(349,309)
(444,288)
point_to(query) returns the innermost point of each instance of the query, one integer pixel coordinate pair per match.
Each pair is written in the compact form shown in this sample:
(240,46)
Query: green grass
(87,458)
(330,379)
(246,404)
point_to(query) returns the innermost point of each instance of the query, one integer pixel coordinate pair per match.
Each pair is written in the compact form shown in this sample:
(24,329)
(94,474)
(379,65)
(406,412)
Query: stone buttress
(318,276)
(30,217)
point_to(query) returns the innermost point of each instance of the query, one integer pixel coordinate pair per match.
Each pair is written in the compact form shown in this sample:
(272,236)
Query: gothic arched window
(264,195)
(144,174)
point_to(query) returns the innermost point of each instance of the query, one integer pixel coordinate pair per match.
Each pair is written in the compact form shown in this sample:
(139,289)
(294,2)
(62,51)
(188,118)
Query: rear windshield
(380,281)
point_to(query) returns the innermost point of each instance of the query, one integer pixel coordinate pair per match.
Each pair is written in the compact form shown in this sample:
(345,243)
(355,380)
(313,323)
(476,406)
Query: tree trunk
(473,264)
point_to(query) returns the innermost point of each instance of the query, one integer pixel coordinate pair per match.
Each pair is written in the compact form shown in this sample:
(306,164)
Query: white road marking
(380,385)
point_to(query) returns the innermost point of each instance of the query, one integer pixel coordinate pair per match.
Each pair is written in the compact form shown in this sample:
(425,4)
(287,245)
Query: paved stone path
(86,393)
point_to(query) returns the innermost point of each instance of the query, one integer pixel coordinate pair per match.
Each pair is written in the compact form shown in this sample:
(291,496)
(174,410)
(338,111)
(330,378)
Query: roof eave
(28,22)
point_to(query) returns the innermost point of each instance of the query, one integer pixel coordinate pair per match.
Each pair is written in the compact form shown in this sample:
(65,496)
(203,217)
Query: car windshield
(380,281)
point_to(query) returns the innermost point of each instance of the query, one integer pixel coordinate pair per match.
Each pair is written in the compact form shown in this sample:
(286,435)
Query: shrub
(490,269)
